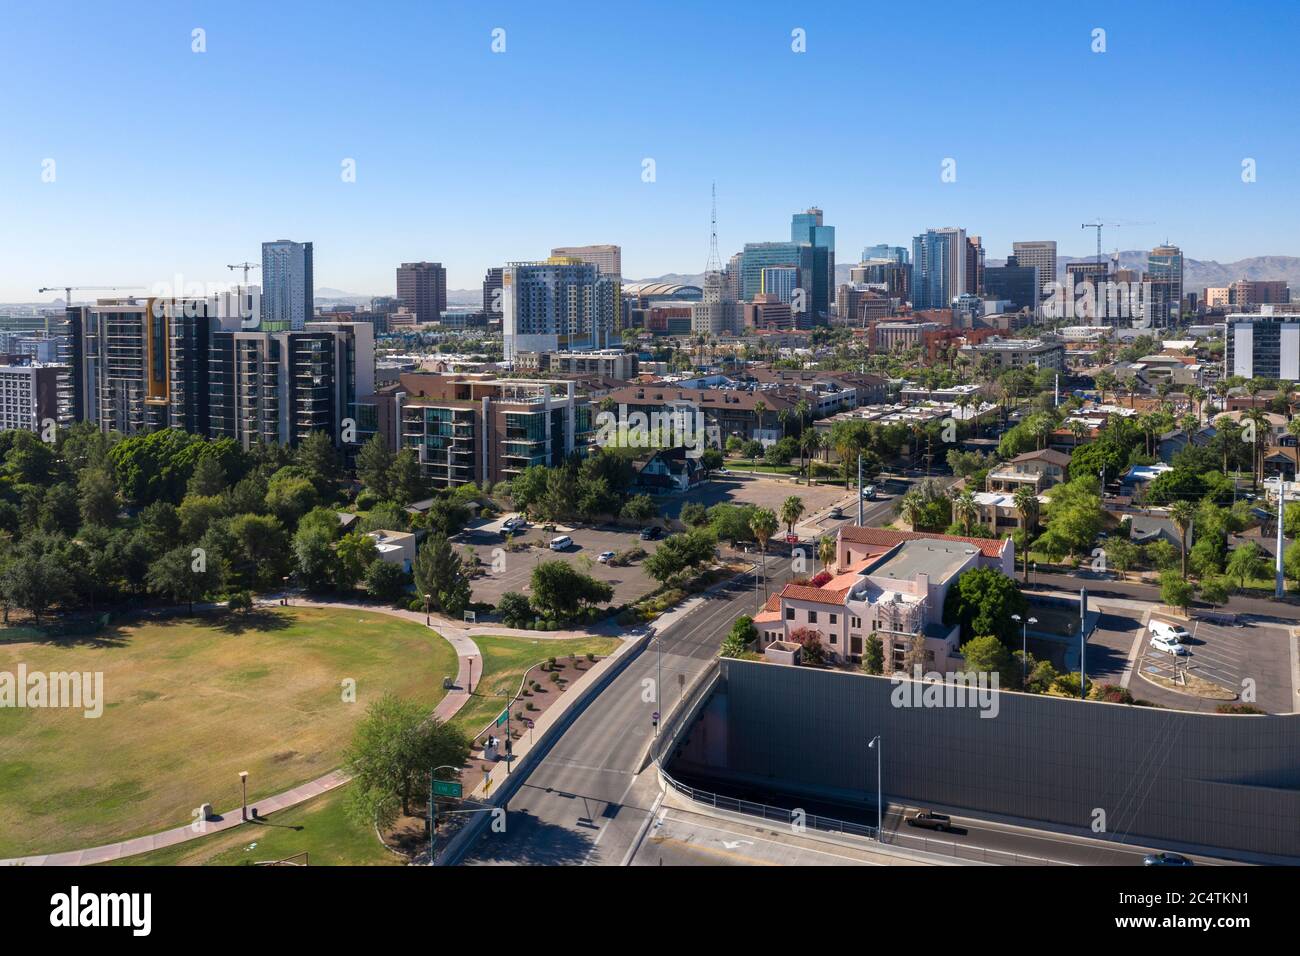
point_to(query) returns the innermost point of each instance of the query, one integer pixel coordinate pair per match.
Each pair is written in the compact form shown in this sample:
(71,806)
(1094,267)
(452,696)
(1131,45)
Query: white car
(605,557)
(513,524)
(1169,646)
(1170,632)
(561,542)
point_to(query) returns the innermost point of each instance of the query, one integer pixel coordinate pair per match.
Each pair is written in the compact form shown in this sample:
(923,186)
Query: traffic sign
(448,788)
(655,716)
(528,722)
(505,715)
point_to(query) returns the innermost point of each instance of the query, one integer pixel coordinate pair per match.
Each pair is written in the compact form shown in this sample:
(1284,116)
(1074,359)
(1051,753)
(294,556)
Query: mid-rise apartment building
(562,303)
(607,258)
(1041,255)
(1019,353)
(609,363)
(34,394)
(1263,344)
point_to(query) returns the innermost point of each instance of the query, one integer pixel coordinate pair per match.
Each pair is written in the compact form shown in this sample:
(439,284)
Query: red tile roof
(798,592)
(989,547)
(773,603)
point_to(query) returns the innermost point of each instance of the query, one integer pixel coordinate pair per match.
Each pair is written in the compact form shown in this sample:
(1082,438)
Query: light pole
(243,783)
(433,809)
(426,610)
(877,746)
(1024,647)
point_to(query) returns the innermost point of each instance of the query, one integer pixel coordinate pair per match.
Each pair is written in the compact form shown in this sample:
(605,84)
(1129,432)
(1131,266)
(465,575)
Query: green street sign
(505,715)
(447,788)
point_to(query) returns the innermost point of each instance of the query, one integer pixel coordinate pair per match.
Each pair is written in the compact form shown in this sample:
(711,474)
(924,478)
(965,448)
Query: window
(789,614)
(812,617)
(834,618)
(855,622)
(855,644)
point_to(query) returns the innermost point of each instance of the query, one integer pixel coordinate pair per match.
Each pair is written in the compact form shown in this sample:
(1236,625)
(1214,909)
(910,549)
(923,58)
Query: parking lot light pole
(243,783)
(876,745)
(426,610)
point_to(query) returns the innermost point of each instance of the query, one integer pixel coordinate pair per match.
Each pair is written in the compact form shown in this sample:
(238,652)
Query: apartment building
(610,363)
(1018,353)
(479,428)
(1263,344)
(34,394)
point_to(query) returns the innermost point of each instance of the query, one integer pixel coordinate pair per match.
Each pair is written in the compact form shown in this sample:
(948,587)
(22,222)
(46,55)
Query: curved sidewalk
(470,661)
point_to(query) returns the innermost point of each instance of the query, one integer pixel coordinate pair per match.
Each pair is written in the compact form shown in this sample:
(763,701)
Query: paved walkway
(469,672)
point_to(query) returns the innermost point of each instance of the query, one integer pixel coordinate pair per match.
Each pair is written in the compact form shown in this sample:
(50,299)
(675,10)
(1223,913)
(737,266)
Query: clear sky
(170,162)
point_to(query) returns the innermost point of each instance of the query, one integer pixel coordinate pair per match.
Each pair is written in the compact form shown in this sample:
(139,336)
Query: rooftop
(989,547)
(939,559)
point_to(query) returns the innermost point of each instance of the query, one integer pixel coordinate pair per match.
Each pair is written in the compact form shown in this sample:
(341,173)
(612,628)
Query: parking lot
(1228,656)
(762,492)
(513,569)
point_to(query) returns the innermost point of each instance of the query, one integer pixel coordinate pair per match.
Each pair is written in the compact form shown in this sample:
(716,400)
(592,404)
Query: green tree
(640,508)
(792,509)
(982,602)
(1182,514)
(394,747)
(406,484)
(386,582)
(989,655)
(514,609)
(38,577)
(763,524)
(440,573)
(743,633)
(181,575)
(374,466)
(354,554)
(314,558)
(208,479)
(873,656)
(317,456)
(560,591)
(98,494)
(1176,590)
(1246,563)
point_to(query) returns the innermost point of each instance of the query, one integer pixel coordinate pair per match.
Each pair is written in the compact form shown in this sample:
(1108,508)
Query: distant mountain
(1198,274)
(679,278)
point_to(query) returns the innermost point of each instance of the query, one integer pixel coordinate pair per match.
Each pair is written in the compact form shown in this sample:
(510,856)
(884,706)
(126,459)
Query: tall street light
(243,782)
(427,598)
(878,747)
(1024,647)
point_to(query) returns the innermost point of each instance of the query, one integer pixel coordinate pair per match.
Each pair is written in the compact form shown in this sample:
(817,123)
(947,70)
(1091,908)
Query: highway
(583,803)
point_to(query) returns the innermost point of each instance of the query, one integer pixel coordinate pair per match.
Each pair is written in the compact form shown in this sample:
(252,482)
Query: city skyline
(454,190)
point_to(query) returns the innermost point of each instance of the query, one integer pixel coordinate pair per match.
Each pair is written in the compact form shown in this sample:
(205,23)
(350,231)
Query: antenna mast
(715,260)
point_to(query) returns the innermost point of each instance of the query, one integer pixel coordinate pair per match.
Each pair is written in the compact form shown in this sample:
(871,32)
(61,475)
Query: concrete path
(469,672)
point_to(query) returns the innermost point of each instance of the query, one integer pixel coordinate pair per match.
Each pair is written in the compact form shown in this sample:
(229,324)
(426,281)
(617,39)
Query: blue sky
(170,162)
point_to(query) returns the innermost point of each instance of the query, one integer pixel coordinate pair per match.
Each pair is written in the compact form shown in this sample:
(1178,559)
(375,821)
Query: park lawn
(506,660)
(319,827)
(188,704)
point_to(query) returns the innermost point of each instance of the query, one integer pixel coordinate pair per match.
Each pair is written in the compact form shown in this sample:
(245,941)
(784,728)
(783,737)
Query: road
(583,803)
(1287,611)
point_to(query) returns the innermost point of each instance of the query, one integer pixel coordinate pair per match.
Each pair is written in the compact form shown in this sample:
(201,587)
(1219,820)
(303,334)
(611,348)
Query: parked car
(561,542)
(929,820)
(653,533)
(869,492)
(514,524)
(1169,646)
(1170,632)
(1165,859)
(605,557)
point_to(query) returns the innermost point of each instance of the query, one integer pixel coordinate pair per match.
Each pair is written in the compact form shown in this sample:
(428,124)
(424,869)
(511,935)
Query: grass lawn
(318,827)
(505,660)
(190,702)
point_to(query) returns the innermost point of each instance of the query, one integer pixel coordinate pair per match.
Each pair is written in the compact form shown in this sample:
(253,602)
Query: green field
(319,827)
(188,704)
(506,660)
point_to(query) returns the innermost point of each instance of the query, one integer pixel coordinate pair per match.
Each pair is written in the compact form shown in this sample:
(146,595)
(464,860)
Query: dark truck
(929,820)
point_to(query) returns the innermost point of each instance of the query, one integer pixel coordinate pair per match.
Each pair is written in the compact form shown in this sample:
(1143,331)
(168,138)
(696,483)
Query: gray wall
(1213,780)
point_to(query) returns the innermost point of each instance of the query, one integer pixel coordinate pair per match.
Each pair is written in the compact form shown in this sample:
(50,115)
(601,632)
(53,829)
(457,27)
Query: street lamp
(1024,646)
(426,610)
(880,831)
(243,782)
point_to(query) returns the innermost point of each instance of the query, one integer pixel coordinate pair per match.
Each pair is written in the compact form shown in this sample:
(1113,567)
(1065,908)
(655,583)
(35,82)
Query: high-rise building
(758,256)
(34,394)
(559,304)
(492,292)
(1042,256)
(279,387)
(974,266)
(1247,294)
(808,230)
(780,281)
(607,258)
(1165,274)
(717,312)
(422,289)
(1013,282)
(895,276)
(287,285)
(885,251)
(938,268)
(1263,344)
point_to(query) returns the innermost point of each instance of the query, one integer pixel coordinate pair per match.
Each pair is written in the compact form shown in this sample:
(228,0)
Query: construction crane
(69,289)
(1098,226)
(245,266)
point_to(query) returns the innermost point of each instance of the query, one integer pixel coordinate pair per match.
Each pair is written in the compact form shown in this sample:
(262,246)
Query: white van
(1169,632)
(561,542)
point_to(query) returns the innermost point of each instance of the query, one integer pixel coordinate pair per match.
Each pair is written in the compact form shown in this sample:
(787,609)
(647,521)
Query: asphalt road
(583,804)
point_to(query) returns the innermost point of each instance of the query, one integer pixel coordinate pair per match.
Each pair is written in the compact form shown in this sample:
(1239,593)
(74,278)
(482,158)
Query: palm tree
(1182,514)
(760,407)
(965,510)
(1027,507)
(764,524)
(1260,425)
(1077,430)
(826,551)
(809,442)
(911,508)
(783,416)
(792,510)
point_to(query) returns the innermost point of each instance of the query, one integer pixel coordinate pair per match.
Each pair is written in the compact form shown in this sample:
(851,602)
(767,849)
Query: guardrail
(810,821)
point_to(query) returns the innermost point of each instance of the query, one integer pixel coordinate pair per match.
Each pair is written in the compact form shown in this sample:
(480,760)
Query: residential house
(1038,470)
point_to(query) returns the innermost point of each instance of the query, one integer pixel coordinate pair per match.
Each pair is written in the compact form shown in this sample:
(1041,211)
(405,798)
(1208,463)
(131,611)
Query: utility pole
(859,489)
(1279,583)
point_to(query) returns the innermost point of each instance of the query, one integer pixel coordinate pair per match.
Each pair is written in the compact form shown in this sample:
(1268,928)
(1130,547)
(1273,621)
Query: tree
(640,508)
(982,602)
(260,544)
(1122,554)
(394,747)
(61,509)
(826,551)
(1182,514)
(911,509)
(289,496)
(209,478)
(514,609)
(1246,563)
(873,655)
(318,457)
(386,582)
(792,510)
(763,524)
(1176,590)
(440,573)
(179,575)
(560,591)
(989,655)
(374,465)
(810,644)
(965,510)
(694,514)
(314,557)
(98,494)
(743,633)
(354,554)
(38,576)
(1215,589)
(680,553)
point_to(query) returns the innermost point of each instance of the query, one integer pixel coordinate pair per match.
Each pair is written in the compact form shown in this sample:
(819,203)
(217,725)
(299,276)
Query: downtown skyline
(498,172)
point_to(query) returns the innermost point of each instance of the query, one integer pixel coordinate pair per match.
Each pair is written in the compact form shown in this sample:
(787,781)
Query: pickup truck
(929,820)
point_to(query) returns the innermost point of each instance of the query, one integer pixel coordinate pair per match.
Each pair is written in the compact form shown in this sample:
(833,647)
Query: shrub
(820,579)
